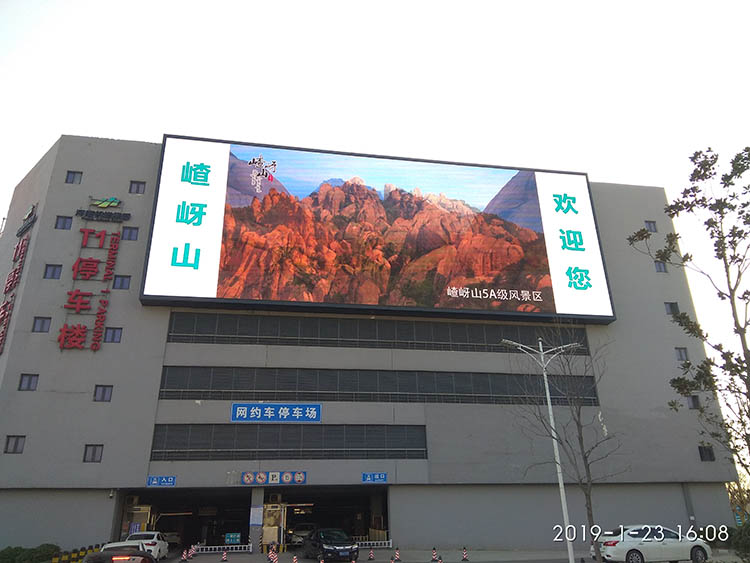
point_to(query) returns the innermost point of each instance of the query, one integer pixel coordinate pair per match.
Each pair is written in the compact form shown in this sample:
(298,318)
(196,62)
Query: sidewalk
(448,556)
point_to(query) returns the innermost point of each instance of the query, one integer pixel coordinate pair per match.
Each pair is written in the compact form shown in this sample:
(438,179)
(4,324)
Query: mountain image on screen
(240,190)
(346,244)
(518,202)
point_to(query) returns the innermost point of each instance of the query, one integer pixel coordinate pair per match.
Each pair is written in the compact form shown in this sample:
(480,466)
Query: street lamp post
(542,359)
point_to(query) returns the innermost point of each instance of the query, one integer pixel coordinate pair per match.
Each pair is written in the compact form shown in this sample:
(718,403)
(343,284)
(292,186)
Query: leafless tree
(586,444)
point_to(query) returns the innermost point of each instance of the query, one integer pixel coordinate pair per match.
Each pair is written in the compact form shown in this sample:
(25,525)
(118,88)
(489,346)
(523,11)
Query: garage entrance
(188,516)
(359,511)
(203,515)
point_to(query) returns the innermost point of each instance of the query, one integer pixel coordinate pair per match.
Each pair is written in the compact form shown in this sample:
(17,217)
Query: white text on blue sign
(374,477)
(276,412)
(161,481)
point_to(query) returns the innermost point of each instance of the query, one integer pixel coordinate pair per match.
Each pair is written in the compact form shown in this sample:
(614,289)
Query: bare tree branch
(586,447)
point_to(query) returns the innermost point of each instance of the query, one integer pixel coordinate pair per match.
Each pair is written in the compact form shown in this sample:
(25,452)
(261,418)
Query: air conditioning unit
(274,498)
(131,500)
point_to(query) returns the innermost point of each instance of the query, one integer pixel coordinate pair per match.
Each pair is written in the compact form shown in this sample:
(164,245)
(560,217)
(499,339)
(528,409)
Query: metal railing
(375,544)
(219,548)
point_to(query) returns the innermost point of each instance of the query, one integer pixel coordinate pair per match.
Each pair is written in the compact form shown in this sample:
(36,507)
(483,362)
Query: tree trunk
(587,494)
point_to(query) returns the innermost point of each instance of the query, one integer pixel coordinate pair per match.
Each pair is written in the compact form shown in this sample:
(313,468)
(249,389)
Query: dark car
(330,544)
(119,555)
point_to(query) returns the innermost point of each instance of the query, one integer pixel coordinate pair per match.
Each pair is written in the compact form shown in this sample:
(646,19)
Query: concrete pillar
(256,532)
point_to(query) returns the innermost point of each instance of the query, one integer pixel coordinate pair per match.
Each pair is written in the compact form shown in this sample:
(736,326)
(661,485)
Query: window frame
(139,185)
(76,175)
(661,267)
(67,219)
(15,440)
(672,307)
(120,278)
(682,353)
(112,330)
(94,449)
(694,402)
(649,223)
(706,453)
(41,319)
(56,268)
(26,377)
(130,230)
(106,396)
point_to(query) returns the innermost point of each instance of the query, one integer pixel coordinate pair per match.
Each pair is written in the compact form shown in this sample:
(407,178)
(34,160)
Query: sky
(625,92)
(301,172)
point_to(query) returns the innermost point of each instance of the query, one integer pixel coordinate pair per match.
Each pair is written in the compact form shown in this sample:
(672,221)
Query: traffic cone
(184,555)
(440,560)
(294,559)
(398,556)
(224,555)
(371,557)
(434,555)
(465,557)
(322,560)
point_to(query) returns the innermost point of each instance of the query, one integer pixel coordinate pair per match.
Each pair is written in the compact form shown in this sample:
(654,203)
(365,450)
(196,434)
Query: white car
(173,537)
(299,532)
(154,542)
(638,543)
(134,545)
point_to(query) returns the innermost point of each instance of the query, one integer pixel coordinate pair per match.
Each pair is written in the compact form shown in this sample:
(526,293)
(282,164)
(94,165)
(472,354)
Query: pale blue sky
(301,172)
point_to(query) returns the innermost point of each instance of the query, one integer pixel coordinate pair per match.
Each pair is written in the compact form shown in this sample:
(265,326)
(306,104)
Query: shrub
(9,554)
(37,554)
(741,542)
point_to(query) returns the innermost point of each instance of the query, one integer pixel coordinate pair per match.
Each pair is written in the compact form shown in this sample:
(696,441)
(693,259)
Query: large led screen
(273,227)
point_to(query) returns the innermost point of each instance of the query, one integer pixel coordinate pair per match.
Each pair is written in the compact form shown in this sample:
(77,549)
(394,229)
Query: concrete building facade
(84,430)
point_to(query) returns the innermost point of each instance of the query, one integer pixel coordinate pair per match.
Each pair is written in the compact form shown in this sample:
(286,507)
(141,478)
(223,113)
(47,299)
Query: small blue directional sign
(374,477)
(161,481)
(232,538)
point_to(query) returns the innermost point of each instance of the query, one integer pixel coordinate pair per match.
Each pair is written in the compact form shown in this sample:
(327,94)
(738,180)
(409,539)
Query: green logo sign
(106,202)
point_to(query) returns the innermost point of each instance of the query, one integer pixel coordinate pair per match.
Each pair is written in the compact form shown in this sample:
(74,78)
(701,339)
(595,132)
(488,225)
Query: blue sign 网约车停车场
(277,412)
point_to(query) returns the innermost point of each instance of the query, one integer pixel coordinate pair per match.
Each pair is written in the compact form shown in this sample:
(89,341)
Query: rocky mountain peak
(517,201)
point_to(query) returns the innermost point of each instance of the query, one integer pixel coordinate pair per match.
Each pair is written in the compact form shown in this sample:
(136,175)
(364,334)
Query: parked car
(638,543)
(173,537)
(119,555)
(133,545)
(330,544)
(297,533)
(154,542)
